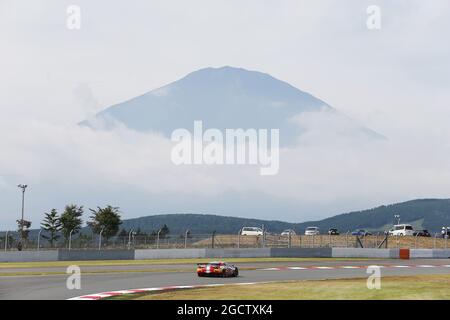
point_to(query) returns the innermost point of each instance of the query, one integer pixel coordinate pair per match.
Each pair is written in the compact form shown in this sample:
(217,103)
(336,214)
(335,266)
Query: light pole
(23,187)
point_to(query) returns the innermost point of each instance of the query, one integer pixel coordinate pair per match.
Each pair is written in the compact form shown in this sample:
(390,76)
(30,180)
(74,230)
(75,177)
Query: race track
(145,276)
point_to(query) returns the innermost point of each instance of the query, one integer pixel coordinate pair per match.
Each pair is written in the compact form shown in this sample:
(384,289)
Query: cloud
(332,166)
(394,81)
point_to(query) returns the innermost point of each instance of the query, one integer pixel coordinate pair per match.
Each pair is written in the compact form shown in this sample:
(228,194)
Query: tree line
(105,220)
(69,223)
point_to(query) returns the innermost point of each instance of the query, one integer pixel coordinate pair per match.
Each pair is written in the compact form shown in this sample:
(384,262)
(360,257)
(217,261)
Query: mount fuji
(222,98)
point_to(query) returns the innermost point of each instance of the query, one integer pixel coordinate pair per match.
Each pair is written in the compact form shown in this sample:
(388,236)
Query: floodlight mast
(23,187)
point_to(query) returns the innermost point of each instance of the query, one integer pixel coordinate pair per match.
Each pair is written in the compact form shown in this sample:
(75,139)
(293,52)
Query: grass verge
(423,287)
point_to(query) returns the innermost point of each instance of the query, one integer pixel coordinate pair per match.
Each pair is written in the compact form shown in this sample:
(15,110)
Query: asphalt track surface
(125,277)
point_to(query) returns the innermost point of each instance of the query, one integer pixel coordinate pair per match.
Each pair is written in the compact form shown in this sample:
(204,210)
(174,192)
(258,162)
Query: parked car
(402,230)
(422,233)
(312,231)
(333,232)
(252,231)
(217,269)
(445,233)
(288,232)
(361,233)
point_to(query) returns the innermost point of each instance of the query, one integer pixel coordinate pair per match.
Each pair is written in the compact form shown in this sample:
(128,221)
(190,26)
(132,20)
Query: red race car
(217,269)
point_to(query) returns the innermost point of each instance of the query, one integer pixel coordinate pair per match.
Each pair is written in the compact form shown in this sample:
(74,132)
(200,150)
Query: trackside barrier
(73,255)
(28,256)
(430,254)
(365,253)
(81,255)
(169,254)
(404,253)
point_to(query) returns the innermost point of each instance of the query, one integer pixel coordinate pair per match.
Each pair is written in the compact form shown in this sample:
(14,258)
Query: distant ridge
(429,214)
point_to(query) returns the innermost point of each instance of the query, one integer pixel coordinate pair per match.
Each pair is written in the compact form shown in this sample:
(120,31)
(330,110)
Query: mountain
(222,98)
(431,214)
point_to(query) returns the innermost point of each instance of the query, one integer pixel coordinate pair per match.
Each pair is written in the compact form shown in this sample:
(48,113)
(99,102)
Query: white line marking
(401,266)
(425,266)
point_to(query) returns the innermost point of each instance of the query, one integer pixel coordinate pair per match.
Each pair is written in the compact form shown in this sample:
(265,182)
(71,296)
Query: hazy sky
(395,80)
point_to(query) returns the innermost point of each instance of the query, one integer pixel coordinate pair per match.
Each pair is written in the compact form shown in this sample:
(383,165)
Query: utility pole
(23,187)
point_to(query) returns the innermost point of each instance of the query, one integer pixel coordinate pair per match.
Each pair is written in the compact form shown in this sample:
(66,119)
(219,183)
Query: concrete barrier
(28,256)
(76,255)
(238,253)
(365,253)
(300,252)
(169,254)
(430,253)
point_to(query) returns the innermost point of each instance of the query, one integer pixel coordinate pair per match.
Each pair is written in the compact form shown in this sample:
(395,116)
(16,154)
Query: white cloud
(395,81)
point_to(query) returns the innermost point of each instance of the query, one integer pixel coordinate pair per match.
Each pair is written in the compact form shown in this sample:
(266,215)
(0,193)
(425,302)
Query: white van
(402,230)
(251,231)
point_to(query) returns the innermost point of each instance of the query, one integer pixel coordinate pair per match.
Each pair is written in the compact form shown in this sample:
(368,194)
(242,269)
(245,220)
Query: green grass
(424,287)
(52,264)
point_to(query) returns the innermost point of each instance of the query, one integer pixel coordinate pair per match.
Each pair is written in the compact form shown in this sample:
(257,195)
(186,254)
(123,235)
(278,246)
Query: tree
(52,225)
(71,220)
(164,232)
(106,219)
(23,228)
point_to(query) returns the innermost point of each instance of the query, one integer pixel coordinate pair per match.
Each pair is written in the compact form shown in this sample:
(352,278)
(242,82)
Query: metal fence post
(6,240)
(434,241)
(313,240)
(157,239)
(415,240)
(70,239)
(39,240)
(239,238)
(129,238)
(100,239)
(290,240)
(346,240)
(212,239)
(185,238)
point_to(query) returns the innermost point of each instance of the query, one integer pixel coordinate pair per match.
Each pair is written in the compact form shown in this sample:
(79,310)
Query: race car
(217,269)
